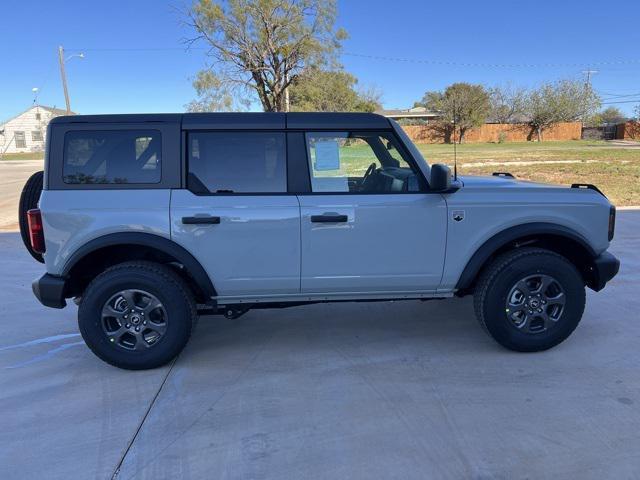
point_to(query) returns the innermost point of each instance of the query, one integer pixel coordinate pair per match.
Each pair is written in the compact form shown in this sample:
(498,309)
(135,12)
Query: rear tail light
(612,222)
(36,233)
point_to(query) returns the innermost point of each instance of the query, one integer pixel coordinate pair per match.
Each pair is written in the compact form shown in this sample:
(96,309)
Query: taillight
(612,221)
(36,233)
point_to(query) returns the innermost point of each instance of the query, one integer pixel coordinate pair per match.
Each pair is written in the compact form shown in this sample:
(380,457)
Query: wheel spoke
(152,305)
(160,328)
(547,320)
(559,299)
(109,311)
(523,287)
(129,296)
(141,343)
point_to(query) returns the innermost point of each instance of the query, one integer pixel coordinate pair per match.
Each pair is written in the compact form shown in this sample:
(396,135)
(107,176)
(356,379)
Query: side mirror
(440,178)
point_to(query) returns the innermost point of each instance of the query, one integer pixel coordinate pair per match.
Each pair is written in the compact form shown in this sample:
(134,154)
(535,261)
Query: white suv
(147,219)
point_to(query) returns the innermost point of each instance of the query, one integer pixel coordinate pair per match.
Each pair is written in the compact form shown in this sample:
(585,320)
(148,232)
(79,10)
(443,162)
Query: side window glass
(358,162)
(112,156)
(237,162)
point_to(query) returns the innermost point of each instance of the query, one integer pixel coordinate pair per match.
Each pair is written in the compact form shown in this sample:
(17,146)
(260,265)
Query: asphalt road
(385,390)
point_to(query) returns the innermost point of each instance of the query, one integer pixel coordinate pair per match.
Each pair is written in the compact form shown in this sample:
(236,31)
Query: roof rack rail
(588,186)
(503,174)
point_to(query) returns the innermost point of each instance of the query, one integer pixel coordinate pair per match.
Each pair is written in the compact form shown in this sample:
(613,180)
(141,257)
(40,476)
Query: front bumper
(605,267)
(50,290)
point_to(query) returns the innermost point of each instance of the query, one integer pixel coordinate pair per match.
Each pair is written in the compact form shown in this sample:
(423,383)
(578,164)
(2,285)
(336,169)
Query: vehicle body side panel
(488,211)
(72,218)
(255,249)
(389,243)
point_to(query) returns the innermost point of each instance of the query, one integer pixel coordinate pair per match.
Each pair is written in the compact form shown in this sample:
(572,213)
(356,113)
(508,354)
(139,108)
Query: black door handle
(200,220)
(329,218)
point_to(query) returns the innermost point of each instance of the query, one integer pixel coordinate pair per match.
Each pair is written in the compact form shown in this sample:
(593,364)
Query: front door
(368,225)
(236,217)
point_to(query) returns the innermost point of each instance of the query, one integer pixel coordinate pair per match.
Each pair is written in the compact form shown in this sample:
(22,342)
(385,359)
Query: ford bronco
(147,220)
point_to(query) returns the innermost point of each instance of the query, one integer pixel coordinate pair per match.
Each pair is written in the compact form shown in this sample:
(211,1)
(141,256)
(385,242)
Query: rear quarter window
(112,157)
(238,162)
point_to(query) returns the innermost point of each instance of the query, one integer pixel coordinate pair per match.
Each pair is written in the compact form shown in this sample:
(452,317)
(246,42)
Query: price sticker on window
(327,155)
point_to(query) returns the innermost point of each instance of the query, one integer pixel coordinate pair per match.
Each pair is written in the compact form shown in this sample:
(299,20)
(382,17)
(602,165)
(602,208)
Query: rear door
(369,223)
(236,216)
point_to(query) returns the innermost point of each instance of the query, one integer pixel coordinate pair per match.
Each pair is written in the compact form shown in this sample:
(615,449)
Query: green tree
(507,103)
(610,115)
(318,90)
(259,47)
(562,101)
(463,104)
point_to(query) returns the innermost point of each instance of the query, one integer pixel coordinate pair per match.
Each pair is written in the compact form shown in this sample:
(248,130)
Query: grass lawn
(614,169)
(22,156)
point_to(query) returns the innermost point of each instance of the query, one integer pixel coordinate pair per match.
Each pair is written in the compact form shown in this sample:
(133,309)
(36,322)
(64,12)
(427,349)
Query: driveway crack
(116,472)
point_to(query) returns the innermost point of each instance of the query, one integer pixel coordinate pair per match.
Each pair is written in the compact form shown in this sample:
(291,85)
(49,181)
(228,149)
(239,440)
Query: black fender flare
(511,234)
(165,245)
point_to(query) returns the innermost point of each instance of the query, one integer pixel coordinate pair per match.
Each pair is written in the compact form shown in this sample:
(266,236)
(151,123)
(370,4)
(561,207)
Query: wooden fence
(628,131)
(495,132)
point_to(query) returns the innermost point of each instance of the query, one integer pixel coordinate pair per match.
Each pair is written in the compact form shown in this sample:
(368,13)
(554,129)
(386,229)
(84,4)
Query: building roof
(414,112)
(52,110)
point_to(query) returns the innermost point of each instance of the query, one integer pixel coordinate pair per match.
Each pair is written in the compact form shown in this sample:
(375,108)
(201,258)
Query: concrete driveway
(386,390)
(13,175)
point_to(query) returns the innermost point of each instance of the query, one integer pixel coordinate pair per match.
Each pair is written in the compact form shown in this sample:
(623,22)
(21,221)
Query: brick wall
(490,132)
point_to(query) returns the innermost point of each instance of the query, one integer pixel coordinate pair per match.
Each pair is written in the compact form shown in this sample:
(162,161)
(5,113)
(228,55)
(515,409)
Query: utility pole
(587,92)
(588,73)
(64,79)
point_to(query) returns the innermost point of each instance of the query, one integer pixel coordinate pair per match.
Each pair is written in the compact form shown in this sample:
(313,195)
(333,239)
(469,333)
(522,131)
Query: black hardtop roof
(241,121)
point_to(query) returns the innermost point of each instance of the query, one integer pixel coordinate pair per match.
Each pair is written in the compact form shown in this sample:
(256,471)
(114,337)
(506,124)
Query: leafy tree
(259,47)
(507,103)
(331,91)
(212,96)
(610,115)
(464,104)
(562,101)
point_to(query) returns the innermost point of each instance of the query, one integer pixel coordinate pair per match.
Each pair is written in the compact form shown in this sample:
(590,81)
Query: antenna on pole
(455,152)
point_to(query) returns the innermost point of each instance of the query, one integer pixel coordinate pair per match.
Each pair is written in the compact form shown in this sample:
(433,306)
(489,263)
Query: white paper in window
(327,155)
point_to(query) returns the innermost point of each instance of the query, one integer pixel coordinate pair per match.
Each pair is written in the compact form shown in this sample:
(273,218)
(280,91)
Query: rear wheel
(530,299)
(29,199)
(137,315)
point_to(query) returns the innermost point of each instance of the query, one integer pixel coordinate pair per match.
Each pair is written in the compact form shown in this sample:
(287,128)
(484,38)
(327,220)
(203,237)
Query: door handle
(200,220)
(329,218)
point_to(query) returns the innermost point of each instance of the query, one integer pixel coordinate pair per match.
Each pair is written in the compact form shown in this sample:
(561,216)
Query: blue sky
(115,77)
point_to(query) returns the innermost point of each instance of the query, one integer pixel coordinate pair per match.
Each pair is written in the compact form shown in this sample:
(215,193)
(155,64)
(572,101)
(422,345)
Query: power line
(492,65)
(389,59)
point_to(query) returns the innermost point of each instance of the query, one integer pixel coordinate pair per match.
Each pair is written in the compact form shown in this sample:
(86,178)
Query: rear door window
(237,162)
(112,156)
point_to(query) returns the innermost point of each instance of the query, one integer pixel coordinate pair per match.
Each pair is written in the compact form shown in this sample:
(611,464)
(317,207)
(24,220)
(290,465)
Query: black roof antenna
(455,152)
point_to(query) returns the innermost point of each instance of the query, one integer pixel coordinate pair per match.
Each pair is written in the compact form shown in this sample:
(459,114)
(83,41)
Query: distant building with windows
(26,132)
(415,115)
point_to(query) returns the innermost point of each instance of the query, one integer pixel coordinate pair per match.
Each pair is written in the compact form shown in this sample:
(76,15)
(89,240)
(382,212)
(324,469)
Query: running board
(329,297)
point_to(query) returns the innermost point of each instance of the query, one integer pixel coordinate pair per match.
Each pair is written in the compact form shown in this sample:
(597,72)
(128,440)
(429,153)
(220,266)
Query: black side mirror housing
(440,178)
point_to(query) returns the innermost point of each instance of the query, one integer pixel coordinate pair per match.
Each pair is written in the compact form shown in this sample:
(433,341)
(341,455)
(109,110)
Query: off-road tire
(496,281)
(29,199)
(160,281)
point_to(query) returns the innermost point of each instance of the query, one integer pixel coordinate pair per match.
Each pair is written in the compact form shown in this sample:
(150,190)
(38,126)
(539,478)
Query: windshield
(422,163)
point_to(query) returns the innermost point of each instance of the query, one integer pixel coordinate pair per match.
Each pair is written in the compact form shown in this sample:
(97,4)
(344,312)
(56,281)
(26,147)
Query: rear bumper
(605,267)
(50,290)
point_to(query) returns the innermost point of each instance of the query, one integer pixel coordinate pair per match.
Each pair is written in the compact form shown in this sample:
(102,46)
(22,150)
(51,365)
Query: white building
(26,132)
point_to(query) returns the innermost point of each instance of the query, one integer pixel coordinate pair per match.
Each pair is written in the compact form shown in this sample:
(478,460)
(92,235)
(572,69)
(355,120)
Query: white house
(26,132)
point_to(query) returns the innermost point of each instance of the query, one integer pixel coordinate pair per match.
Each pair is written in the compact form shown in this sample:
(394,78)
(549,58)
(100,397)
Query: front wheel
(137,315)
(530,299)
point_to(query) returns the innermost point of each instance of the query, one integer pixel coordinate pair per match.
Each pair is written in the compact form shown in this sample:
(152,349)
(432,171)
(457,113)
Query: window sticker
(327,155)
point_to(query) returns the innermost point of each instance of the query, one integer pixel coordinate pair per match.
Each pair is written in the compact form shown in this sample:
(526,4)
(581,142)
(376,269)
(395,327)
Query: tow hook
(235,312)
